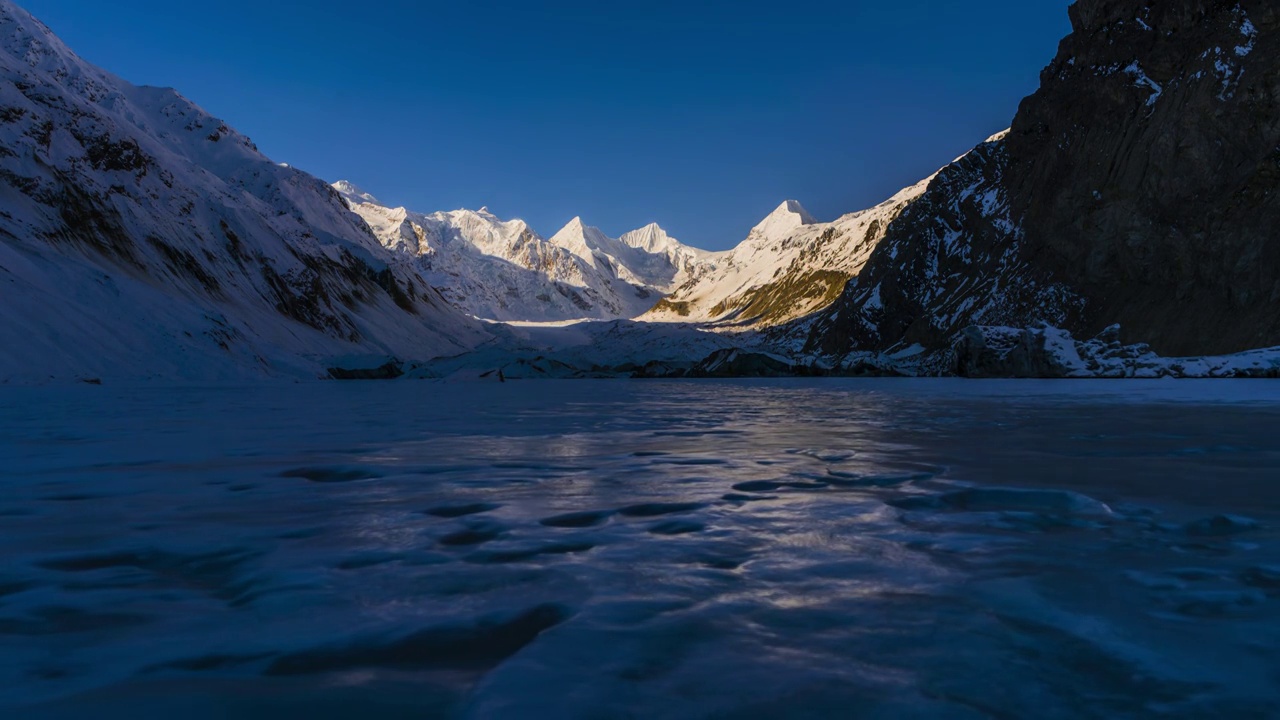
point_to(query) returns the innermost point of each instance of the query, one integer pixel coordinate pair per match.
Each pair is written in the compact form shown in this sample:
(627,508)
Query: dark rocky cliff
(1137,186)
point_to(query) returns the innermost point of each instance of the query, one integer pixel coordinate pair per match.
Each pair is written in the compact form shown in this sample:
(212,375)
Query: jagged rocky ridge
(1136,187)
(789,266)
(503,270)
(141,237)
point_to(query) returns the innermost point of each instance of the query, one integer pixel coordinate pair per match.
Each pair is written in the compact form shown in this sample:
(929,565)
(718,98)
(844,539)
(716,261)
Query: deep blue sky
(702,116)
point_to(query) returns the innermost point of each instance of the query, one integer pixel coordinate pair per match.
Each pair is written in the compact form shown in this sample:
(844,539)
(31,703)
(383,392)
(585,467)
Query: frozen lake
(615,549)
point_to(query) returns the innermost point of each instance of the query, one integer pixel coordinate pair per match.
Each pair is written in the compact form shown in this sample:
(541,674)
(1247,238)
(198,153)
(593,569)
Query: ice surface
(859,548)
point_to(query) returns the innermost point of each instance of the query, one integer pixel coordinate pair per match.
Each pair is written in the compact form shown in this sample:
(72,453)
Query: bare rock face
(1049,352)
(1137,186)
(981,353)
(953,259)
(1145,168)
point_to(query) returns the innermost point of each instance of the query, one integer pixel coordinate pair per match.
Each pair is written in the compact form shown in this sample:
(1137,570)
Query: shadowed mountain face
(142,237)
(1135,187)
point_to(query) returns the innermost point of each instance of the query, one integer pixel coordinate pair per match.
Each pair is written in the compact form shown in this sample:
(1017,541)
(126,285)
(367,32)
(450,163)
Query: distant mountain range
(1128,214)
(503,270)
(789,266)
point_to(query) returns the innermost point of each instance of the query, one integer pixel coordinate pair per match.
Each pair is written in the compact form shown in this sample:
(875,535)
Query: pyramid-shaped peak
(578,237)
(653,230)
(650,238)
(578,228)
(793,207)
(788,216)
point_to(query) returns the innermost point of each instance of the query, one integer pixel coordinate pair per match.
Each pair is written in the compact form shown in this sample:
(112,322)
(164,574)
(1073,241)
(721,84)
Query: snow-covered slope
(790,265)
(141,237)
(503,270)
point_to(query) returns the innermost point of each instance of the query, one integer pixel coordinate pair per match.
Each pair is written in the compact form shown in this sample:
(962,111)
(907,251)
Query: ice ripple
(458,510)
(331,474)
(769,571)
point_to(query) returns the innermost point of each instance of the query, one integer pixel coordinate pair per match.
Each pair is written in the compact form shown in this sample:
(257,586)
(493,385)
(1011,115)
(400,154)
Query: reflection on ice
(799,549)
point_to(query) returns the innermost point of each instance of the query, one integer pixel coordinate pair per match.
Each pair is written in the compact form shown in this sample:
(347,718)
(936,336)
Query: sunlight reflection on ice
(896,547)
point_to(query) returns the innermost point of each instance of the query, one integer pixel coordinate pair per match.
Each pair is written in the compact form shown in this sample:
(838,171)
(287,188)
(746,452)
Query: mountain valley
(1121,227)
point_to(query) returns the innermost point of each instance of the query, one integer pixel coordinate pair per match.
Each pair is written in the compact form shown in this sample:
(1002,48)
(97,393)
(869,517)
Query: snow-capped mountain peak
(788,266)
(351,191)
(651,238)
(503,270)
(786,218)
(581,239)
(794,207)
(576,228)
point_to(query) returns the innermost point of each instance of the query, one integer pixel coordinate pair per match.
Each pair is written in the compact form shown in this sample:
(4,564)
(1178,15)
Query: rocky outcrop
(1137,187)
(735,362)
(954,258)
(1049,352)
(1145,171)
(388,369)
